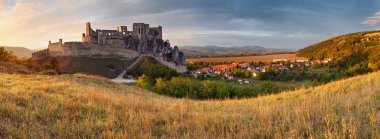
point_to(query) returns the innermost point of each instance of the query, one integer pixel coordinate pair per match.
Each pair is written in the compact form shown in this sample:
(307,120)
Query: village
(247,73)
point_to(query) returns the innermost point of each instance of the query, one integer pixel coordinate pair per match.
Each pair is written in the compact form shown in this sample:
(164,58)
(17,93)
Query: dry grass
(247,58)
(72,106)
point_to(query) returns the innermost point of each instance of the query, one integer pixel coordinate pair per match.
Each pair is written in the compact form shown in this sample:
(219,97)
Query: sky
(285,24)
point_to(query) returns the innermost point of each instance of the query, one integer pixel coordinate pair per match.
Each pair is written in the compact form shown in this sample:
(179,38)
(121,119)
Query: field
(246,58)
(81,106)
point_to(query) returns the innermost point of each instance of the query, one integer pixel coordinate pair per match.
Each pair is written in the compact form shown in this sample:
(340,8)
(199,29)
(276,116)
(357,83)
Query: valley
(263,58)
(199,69)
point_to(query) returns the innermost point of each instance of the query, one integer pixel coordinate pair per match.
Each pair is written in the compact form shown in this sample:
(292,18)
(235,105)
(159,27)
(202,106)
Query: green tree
(268,88)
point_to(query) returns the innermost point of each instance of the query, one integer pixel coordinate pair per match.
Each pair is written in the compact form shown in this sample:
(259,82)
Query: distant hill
(355,52)
(78,106)
(19,51)
(218,51)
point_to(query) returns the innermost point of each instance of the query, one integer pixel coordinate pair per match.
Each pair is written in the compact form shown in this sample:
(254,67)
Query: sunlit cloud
(269,23)
(373,20)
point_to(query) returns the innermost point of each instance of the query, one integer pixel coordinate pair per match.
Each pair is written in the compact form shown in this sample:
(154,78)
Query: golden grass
(247,58)
(80,106)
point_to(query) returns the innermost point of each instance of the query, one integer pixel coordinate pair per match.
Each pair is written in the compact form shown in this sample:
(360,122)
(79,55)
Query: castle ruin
(119,43)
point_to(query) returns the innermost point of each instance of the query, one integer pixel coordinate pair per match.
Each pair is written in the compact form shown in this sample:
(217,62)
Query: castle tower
(160,32)
(140,30)
(88,36)
(88,29)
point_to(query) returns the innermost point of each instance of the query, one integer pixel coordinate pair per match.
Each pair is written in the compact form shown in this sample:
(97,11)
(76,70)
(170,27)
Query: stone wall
(120,43)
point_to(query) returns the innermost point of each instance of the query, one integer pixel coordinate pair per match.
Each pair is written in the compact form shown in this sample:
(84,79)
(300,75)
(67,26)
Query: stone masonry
(119,43)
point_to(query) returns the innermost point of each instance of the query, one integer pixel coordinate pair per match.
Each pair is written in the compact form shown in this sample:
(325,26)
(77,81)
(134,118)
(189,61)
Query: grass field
(81,106)
(12,68)
(247,58)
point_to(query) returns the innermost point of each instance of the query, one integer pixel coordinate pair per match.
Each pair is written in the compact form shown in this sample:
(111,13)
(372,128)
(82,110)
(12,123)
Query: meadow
(262,58)
(82,106)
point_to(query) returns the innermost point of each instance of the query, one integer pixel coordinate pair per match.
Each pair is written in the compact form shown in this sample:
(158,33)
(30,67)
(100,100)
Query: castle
(119,43)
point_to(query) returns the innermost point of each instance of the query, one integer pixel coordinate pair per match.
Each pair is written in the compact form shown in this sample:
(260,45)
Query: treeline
(185,87)
(299,75)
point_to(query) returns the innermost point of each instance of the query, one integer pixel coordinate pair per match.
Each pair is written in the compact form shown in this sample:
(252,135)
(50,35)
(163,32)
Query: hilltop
(69,106)
(356,52)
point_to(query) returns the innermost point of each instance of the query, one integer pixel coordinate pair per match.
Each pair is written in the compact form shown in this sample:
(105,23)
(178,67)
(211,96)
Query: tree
(160,85)
(143,81)
(5,55)
(268,88)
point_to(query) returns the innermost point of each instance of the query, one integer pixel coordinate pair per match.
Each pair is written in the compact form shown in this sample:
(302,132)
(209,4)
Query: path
(120,77)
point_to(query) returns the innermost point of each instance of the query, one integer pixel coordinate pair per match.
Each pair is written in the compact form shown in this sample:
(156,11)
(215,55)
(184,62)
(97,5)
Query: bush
(269,88)
(143,81)
(314,83)
(155,70)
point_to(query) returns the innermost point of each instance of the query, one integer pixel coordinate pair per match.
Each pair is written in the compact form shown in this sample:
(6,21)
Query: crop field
(247,58)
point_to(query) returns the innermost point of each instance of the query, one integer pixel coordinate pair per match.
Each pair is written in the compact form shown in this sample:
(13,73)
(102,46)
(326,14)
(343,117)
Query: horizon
(292,24)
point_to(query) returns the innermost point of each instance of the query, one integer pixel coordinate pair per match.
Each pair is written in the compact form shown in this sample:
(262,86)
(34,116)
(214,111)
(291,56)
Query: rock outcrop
(118,43)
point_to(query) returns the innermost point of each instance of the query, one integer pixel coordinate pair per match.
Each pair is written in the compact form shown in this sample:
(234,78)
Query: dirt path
(120,77)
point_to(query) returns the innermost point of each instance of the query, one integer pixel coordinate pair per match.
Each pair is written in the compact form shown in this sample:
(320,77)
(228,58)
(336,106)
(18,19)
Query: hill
(106,67)
(353,52)
(81,106)
(19,51)
(218,51)
(13,68)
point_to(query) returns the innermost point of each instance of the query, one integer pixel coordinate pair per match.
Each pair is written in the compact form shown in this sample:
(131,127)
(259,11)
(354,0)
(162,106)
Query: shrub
(205,89)
(143,81)
(268,88)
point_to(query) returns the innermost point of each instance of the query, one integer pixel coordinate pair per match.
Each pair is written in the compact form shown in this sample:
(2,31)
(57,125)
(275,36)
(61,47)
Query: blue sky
(290,24)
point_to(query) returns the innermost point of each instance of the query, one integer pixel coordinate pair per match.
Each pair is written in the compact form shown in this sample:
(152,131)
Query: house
(307,64)
(244,65)
(229,75)
(280,59)
(302,60)
(327,60)
(251,68)
(254,72)
(291,65)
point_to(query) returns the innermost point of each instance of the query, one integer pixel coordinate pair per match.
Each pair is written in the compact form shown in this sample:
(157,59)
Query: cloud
(373,20)
(271,23)
(3,4)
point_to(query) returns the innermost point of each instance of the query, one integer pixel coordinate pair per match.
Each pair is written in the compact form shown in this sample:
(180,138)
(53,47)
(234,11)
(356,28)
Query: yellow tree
(143,81)
(160,85)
